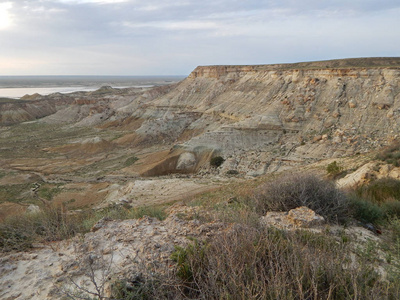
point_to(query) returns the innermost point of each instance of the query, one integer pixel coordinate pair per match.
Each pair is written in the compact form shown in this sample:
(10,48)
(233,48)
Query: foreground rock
(301,217)
(115,249)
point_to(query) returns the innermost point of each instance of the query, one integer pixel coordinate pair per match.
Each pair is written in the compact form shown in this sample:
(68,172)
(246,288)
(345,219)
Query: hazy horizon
(18,86)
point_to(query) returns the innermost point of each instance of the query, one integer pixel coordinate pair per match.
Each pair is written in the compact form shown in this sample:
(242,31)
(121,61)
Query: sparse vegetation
(380,190)
(14,192)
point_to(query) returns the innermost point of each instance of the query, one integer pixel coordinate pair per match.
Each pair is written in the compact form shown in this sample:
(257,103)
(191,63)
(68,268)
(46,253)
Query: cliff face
(277,115)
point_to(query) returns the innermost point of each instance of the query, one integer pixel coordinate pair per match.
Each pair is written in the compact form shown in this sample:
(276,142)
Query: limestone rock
(304,217)
(301,217)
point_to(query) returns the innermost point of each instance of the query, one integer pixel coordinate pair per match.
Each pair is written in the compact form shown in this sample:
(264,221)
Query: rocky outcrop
(369,172)
(300,217)
(113,250)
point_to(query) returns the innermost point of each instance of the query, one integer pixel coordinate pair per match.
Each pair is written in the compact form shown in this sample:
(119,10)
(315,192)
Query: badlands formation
(153,145)
(259,118)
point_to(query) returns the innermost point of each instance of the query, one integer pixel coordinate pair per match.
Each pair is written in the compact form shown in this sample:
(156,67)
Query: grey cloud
(154,36)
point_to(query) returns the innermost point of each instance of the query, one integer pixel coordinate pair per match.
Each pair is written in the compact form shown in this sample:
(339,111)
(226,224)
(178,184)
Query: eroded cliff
(260,117)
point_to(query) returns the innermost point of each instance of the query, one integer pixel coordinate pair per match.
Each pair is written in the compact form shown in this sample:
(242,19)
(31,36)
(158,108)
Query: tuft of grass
(54,223)
(118,212)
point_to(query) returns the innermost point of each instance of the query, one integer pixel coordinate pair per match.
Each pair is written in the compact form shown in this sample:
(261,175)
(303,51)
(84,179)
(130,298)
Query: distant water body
(18,86)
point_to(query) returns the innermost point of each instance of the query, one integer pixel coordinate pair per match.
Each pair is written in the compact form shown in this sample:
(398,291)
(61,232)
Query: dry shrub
(245,263)
(290,191)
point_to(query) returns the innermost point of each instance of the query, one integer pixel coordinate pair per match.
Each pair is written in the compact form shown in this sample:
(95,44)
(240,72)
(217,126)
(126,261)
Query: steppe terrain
(140,147)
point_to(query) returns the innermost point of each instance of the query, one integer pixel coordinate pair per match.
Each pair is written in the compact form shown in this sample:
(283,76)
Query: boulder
(304,217)
(300,217)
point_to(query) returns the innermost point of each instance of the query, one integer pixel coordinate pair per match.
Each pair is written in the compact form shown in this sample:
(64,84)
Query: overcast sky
(163,37)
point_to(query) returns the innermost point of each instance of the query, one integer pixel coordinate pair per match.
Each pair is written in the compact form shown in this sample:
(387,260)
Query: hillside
(260,119)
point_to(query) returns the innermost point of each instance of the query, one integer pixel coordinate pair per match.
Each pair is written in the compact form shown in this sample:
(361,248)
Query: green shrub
(294,190)
(216,161)
(366,211)
(16,234)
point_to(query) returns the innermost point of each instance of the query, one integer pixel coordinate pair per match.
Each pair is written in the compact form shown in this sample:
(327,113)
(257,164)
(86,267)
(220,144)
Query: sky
(163,37)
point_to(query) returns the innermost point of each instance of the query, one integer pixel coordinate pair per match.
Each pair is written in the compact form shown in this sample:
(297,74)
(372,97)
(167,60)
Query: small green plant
(137,288)
(130,161)
(216,161)
(150,211)
(334,169)
(180,255)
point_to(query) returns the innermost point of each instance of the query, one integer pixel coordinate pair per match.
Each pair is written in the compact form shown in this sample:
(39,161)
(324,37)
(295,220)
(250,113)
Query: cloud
(5,17)
(173,37)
